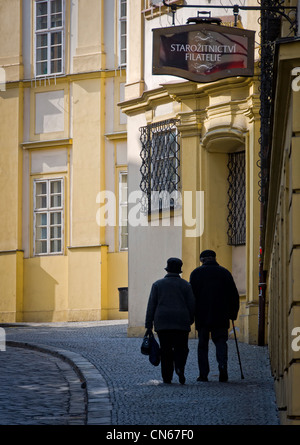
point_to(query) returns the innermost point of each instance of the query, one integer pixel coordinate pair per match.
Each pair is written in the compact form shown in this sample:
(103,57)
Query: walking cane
(237,349)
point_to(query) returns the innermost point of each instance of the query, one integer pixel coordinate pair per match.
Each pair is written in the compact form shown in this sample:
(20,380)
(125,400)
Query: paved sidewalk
(92,373)
(50,386)
(37,388)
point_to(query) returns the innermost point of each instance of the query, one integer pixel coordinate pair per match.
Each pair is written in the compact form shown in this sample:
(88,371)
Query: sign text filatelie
(206,53)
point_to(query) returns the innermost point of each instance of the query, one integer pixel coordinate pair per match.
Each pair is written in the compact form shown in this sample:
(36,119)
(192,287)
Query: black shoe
(223,376)
(182,379)
(181,376)
(202,378)
(168,382)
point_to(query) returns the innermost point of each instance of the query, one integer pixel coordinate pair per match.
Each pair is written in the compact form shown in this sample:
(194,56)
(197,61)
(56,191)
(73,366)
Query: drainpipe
(262,289)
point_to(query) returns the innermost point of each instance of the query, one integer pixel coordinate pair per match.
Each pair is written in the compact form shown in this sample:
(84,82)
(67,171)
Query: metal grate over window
(237,199)
(160,156)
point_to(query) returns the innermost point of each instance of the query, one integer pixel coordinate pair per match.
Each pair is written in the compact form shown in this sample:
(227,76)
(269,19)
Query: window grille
(237,199)
(160,156)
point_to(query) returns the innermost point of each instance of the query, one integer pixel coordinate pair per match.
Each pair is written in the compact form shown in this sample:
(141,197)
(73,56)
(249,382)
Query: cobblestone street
(122,387)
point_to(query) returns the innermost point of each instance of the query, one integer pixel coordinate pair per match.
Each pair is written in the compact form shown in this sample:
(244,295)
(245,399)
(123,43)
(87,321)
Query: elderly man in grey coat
(171,309)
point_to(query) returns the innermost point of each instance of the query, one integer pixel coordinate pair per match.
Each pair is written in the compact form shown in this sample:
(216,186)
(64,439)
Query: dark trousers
(219,337)
(174,351)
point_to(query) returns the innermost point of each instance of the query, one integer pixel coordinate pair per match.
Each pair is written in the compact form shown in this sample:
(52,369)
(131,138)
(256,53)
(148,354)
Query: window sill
(47,144)
(155,215)
(39,255)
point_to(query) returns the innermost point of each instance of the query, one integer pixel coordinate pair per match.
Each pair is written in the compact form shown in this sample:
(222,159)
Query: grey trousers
(219,337)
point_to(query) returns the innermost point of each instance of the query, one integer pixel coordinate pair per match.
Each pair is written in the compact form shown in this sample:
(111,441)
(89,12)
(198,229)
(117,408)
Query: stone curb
(98,405)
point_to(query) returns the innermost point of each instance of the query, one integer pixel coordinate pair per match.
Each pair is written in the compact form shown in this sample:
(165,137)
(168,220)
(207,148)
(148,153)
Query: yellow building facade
(79,105)
(282,236)
(62,145)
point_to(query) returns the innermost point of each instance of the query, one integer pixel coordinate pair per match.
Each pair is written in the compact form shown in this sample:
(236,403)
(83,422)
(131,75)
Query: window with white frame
(49,37)
(48,216)
(122,32)
(123,217)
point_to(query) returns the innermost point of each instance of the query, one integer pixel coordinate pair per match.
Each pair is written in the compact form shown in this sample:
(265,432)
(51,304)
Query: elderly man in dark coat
(171,309)
(217,302)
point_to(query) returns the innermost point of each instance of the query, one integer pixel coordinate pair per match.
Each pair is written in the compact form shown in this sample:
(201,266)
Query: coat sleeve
(234,299)
(191,303)
(192,282)
(152,304)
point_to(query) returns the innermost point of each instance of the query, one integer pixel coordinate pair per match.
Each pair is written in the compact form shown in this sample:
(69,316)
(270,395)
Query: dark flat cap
(208,254)
(174,265)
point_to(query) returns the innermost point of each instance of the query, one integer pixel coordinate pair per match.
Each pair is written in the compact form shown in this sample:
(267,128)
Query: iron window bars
(160,156)
(237,199)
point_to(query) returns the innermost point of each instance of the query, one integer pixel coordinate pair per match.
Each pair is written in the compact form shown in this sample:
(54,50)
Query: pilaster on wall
(11,286)
(190,130)
(10,37)
(11,161)
(90,53)
(135,64)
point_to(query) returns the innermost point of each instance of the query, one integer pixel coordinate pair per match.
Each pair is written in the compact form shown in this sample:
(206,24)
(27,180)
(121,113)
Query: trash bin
(123,299)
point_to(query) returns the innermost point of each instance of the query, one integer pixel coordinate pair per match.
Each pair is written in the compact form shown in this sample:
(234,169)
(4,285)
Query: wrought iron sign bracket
(278,9)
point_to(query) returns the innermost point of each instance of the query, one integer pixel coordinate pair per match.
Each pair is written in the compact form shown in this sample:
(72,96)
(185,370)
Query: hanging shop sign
(203,52)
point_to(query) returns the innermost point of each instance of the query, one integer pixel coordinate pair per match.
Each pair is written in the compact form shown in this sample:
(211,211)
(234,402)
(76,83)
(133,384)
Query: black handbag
(145,348)
(151,348)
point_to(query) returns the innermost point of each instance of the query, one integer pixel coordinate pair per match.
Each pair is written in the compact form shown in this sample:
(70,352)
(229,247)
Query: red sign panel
(203,52)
